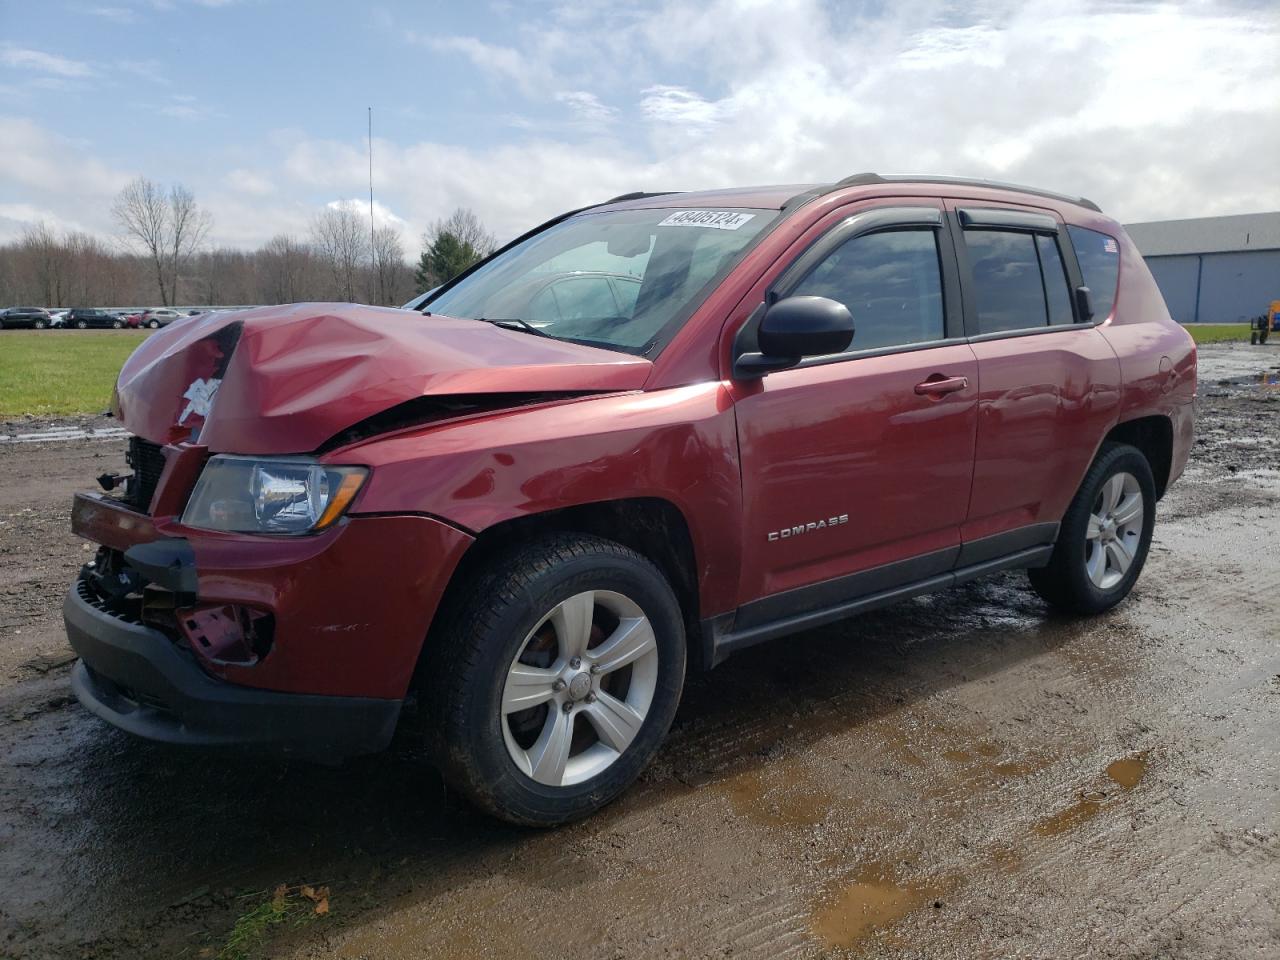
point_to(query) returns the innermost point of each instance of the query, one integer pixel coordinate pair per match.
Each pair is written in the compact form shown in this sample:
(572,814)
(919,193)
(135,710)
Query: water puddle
(870,903)
(1083,810)
(786,803)
(1126,773)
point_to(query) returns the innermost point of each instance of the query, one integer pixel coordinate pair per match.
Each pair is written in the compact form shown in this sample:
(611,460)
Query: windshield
(621,279)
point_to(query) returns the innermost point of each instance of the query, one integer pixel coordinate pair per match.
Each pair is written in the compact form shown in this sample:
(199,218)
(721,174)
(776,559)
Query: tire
(82,325)
(39,325)
(154,324)
(1087,573)
(518,616)
(117,325)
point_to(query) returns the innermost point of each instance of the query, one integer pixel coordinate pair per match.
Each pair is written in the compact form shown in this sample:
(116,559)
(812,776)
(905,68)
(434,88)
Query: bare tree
(283,268)
(342,243)
(46,256)
(450,246)
(189,225)
(167,226)
(466,228)
(390,272)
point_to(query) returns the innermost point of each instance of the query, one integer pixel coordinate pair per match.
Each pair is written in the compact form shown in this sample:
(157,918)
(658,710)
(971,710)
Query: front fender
(678,445)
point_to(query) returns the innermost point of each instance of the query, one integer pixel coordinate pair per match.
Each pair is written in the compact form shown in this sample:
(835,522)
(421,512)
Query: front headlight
(251,495)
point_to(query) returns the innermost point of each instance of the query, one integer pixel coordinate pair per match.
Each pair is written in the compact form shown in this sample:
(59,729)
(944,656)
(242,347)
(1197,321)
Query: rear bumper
(139,680)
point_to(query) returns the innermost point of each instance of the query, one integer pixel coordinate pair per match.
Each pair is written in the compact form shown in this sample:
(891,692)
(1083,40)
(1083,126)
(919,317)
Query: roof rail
(862,179)
(640,196)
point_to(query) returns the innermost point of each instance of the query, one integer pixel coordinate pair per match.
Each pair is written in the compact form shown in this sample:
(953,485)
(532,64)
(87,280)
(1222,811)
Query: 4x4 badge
(786,533)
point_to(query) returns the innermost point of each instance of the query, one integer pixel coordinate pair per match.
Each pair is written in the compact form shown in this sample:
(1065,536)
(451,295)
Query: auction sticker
(716,219)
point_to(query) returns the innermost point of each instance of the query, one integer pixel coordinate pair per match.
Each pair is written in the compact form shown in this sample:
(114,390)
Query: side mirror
(793,329)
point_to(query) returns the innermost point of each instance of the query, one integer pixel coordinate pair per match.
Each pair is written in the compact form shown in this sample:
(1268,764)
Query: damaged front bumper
(136,678)
(304,645)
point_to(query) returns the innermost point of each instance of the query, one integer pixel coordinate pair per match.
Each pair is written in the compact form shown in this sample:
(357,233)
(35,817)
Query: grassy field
(51,372)
(57,372)
(1220,332)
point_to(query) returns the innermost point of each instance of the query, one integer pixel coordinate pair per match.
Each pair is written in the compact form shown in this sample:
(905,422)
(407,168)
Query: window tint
(1099,257)
(891,283)
(1057,290)
(1006,280)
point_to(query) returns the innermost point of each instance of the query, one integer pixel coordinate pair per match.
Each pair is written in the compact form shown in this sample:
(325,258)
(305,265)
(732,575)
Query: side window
(891,282)
(542,307)
(1006,280)
(1056,289)
(626,290)
(1099,257)
(585,297)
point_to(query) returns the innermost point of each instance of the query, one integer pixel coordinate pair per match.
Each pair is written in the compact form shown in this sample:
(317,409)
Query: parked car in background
(159,318)
(780,407)
(57,319)
(34,318)
(83,318)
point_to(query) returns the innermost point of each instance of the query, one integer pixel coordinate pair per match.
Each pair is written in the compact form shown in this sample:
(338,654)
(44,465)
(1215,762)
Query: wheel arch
(1153,436)
(651,526)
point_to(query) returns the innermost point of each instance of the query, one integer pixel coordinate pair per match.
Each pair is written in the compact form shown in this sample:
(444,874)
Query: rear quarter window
(1099,256)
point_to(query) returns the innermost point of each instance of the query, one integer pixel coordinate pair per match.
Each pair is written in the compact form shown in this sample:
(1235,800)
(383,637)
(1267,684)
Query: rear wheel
(555,679)
(1105,535)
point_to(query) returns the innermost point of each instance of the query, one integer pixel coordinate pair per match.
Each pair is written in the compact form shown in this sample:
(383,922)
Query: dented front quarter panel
(677,445)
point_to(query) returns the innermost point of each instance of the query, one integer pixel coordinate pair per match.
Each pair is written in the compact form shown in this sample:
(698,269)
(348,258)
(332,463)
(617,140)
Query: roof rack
(640,196)
(862,179)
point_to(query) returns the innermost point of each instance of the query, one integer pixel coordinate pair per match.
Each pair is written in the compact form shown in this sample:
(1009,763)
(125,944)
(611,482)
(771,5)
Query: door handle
(936,388)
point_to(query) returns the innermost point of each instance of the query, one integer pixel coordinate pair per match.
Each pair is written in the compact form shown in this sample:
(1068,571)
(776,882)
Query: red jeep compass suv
(640,437)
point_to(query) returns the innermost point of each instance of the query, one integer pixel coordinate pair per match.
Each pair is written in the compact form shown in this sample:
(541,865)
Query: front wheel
(1104,537)
(82,325)
(154,324)
(39,324)
(554,679)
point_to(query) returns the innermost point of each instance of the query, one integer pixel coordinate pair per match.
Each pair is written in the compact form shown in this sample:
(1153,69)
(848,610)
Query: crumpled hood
(286,379)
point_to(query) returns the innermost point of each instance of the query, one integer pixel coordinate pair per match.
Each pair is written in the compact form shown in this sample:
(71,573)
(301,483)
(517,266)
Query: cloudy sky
(520,110)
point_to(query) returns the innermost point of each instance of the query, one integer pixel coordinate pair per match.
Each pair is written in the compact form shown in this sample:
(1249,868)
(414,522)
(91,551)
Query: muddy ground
(962,776)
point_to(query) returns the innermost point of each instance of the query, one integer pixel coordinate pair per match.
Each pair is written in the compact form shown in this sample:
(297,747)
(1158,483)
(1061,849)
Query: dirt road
(961,776)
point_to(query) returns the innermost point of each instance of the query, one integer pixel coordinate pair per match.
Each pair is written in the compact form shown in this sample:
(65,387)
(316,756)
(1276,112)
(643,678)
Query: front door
(856,468)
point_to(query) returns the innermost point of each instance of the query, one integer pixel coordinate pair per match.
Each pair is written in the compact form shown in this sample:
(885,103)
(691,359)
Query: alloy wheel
(1114,531)
(579,688)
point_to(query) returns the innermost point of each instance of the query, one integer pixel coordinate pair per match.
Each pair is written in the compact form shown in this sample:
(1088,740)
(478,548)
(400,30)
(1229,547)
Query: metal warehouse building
(1214,269)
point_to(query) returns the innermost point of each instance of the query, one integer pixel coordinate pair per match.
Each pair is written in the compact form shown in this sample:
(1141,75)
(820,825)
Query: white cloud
(20,58)
(676,105)
(503,63)
(586,107)
(115,14)
(57,166)
(251,183)
(1154,110)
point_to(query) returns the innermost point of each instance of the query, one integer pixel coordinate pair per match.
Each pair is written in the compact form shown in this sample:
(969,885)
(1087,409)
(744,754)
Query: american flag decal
(1110,246)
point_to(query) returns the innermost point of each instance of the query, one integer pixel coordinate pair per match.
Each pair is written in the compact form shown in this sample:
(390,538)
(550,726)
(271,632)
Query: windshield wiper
(514,323)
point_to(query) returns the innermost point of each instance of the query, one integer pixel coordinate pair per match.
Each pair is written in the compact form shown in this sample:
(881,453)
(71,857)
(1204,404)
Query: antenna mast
(373,248)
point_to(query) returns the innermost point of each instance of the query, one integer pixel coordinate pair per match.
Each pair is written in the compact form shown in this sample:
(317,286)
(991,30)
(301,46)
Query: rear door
(856,467)
(1050,382)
